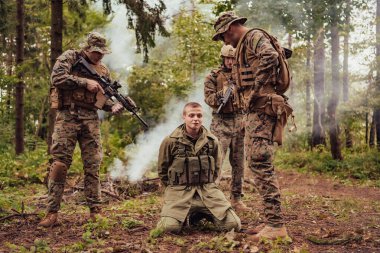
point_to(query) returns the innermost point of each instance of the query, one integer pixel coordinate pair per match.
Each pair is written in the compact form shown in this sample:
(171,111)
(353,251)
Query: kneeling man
(189,162)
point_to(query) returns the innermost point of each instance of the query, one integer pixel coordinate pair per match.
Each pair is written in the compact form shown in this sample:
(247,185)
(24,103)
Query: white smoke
(147,145)
(143,155)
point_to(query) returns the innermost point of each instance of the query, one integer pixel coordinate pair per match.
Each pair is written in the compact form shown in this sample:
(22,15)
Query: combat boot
(255,230)
(49,220)
(270,233)
(239,206)
(94,212)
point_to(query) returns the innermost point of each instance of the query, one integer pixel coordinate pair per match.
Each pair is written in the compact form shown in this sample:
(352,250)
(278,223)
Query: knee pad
(58,171)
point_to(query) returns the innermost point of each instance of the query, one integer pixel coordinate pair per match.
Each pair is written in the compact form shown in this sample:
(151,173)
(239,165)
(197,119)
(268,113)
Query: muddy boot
(239,206)
(94,212)
(270,233)
(255,230)
(49,220)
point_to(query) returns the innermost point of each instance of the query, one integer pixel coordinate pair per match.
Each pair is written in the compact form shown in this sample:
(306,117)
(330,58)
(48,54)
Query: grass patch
(363,165)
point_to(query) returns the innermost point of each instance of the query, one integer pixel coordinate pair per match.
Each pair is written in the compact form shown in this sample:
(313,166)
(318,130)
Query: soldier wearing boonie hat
(223,23)
(77,96)
(255,73)
(96,42)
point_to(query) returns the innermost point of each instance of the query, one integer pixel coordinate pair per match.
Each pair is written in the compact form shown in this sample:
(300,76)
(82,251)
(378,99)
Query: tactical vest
(188,169)
(270,98)
(222,81)
(245,73)
(80,96)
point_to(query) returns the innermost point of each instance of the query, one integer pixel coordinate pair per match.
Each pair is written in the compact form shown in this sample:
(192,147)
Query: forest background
(162,53)
(329,168)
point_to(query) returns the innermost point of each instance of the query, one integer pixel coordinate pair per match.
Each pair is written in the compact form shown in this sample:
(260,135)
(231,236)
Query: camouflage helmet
(223,23)
(227,51)
(96,42)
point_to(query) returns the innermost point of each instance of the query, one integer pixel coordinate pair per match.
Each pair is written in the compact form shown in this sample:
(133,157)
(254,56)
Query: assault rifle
(226,96)
(111,90)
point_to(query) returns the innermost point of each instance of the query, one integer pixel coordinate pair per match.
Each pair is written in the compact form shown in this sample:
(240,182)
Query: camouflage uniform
(227,126)
(256,68)
(183,199)
(76,121)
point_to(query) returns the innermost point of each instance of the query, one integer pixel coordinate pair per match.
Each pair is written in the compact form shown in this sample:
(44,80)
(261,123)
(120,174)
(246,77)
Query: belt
(229,115)
(76,106)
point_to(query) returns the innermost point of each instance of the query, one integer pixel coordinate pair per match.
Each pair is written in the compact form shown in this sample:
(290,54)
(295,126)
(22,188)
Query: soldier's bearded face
(193,118)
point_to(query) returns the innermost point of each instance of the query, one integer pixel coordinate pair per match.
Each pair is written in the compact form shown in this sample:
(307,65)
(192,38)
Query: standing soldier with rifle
(262,76)
(221,94)
(77,95)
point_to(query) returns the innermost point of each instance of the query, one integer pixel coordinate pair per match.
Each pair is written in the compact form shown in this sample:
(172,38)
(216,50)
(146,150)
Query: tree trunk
(318,133)
(347,130)
(19,129)
(56,50)
(334,99)
(372,132)
(308,92)
(366,128)
(377,108)
(292,84)
(9,73)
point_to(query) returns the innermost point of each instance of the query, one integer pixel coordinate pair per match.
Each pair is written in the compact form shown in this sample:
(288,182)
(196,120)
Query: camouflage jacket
(213,90)
(66,81)
(256,68)
(177,198)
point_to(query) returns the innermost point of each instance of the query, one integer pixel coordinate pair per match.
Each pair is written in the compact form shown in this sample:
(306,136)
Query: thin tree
(308,90)
(334,99)
(318,133)
(20,30)
(347,13)
(376,115)
(56,50)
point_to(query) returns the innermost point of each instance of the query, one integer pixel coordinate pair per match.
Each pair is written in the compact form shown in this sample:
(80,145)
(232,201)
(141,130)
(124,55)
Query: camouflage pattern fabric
(213,91)
(69,128)
(75,124)
(228,128)
(258,147)
(230,133)
(259,127)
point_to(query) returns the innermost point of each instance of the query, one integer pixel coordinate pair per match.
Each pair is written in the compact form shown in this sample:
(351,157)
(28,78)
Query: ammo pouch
(189,169)
(276,106)
(192,170)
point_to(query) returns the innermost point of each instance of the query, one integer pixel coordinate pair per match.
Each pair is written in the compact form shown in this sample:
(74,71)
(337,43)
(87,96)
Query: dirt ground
(322,215)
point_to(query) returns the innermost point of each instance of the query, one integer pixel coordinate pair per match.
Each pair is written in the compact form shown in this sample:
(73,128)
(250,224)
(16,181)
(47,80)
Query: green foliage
(361,164)
(39,246)
(155,233)
(98,229)
(129,223)
(218,243)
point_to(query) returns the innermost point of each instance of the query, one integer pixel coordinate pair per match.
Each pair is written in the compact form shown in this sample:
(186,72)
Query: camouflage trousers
(198,210)
(230,132)
(69,129)
(259,157)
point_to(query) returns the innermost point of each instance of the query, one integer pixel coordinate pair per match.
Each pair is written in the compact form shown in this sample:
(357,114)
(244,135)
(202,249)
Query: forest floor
(321,213)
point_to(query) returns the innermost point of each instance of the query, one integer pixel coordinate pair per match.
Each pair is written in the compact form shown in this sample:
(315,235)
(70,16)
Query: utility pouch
(276,106)
(101,100)
(55,100)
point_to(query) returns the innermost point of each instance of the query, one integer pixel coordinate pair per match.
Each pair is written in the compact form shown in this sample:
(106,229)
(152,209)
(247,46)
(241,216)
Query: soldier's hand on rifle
(117,108)
(93,86)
